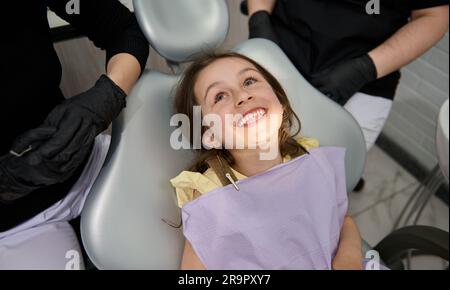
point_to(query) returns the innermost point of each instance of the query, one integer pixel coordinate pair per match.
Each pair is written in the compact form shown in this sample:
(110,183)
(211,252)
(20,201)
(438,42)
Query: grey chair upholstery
(121,223)
(197,25)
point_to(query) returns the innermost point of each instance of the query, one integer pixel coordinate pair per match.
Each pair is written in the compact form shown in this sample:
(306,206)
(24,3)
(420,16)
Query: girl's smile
(252,117)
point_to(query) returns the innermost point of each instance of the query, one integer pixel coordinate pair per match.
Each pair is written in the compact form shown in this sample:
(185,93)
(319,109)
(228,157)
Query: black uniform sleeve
(422,4)
(260,26)
(108,23)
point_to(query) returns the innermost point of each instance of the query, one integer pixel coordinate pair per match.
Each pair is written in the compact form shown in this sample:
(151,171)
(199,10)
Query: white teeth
(252,117)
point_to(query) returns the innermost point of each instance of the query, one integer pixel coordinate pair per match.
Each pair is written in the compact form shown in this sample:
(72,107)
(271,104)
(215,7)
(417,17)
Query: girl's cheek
(219,118)
(205,108)
(223,110)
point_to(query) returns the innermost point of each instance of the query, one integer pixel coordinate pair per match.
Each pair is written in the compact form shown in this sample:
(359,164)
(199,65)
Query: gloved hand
(61,144)
(342,81)
(20,175)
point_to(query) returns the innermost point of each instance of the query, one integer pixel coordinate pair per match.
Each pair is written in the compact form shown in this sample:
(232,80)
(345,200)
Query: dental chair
(121,224)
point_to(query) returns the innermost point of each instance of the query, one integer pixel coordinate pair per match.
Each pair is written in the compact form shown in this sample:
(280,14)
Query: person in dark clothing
(352,50)
(50,149)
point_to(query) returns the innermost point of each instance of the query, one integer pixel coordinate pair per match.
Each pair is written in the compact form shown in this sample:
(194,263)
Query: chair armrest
(426,239)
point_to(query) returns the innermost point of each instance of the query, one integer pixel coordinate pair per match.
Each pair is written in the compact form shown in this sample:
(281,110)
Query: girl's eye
(250,81)
(219,97)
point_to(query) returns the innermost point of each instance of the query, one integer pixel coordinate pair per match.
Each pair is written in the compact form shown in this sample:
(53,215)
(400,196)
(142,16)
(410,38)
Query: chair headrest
(179,30)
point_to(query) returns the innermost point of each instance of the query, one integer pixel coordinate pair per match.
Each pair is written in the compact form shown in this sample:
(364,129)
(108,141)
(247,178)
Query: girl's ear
(210,141)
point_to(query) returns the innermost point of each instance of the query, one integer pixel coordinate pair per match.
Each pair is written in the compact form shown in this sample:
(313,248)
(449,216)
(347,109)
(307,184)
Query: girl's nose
(244,99)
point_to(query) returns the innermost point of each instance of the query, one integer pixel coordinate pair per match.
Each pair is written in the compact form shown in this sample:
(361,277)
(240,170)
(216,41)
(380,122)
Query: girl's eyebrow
(217,83)
(209,88)
(246,70)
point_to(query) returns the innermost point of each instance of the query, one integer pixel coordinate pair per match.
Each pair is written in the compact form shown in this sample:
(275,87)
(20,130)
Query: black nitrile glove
(342,81)
(52,152)
(260,26)
(81,118)
(20,175)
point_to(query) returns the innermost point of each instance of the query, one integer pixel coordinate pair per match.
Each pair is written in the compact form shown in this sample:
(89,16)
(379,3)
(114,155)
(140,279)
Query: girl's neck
(248,162)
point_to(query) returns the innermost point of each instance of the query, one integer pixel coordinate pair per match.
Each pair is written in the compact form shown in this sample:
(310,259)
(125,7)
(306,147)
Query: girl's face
(235,92)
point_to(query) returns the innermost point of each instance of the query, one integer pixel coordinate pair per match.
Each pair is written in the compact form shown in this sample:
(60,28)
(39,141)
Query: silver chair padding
(121,221)
(179,30)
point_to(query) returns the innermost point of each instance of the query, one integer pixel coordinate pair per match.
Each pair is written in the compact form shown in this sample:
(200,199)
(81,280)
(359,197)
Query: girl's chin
(256,143)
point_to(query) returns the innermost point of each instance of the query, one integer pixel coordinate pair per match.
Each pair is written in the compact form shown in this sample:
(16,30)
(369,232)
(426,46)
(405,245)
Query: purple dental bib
(288,217)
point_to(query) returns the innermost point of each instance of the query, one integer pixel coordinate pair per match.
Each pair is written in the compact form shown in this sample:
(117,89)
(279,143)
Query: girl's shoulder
(308,143)
(189,185)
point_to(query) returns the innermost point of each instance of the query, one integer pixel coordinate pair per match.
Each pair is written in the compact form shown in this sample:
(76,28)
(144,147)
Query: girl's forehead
(228,64)
(221,70)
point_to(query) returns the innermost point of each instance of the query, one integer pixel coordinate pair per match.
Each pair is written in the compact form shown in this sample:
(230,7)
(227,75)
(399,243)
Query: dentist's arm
(124,70)
(260,5)
(426,28)
(51,153)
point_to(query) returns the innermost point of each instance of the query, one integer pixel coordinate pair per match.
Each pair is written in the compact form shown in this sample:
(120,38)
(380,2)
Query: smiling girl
(233,195)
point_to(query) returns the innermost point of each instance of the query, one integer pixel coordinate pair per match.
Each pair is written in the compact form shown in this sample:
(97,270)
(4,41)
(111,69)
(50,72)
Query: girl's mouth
(252,117)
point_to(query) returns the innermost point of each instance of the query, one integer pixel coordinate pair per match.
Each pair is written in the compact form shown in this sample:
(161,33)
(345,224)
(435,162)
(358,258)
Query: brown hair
(185,100)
